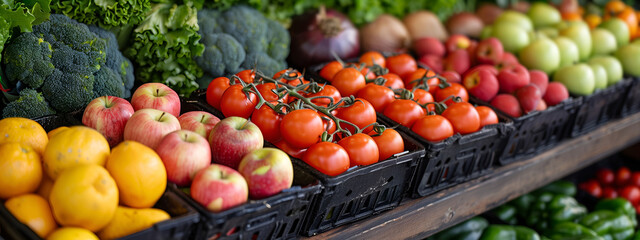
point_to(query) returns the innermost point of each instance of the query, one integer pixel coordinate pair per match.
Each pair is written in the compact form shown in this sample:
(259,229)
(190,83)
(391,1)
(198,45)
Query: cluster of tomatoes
(609,184)
(307,120)
(433,106)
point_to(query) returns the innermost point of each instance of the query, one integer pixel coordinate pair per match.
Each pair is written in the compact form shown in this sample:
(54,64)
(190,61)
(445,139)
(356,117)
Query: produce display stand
(420,218)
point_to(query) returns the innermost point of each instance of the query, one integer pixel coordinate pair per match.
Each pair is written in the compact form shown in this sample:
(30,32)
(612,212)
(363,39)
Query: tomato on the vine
(330,70)
(367,73)
(265,90)
(289,75)
(393,81)
(328,158)
(247,75)
(372,57)
(434,128)
(234,102)
(455,89)
(418,76)
(327,123)
(378,96)
(268,121)
(487,116)
(389,143)
(361,113)
(404,111)
(301,128)
(328,91)
(361,148)
(293,151)
(401,64)
(348,81)
(215,90)
(422,97)
(463,117)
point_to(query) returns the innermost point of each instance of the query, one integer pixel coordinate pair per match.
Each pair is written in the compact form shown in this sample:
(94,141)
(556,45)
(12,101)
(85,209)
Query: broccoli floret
(68,91)
(68,60)
(115,60)
(107,83)
(222,54)
(278,41)
(28,60)
(246,25)
(264,63)
(30,104)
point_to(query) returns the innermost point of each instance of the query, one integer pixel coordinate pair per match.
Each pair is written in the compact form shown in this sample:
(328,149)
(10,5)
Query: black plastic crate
(456,159)
(600,107)
(632,101)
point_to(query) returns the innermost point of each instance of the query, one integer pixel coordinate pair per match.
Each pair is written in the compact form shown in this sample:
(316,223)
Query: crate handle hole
(390,179)
(349,193)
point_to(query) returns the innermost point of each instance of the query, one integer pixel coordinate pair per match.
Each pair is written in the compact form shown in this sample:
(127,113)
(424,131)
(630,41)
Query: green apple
(549,32)
(542,54)
(569,53)
(517,18)
(604,43)
(579,33)
(619,30)
(599,75)
(512,37)
(578,79)
(543,15)
(611,65)
(486,32)
(629,56)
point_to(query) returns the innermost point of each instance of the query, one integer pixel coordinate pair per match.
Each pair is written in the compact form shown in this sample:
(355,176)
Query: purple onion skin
(310,45)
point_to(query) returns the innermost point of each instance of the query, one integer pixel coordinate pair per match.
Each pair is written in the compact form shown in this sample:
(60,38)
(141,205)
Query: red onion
(316,36)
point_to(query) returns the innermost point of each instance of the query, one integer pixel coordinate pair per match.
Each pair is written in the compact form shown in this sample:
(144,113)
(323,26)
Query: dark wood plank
(419,218)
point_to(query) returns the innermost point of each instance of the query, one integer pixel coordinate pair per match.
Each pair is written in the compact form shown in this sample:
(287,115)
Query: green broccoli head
(68,91)
(116,61)
(28,60)
(278,41)
(107,83)
(264,63)
(222,54)
(30,104)
(247,26)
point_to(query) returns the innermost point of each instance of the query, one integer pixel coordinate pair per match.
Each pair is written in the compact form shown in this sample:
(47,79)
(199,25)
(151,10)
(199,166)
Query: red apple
(472,50)
(219,188)
(513,77)
(451,76)
(232,138)
(200,122)
(556,93)
(455,42)
(457,61)
(540,79)
(268,171)
(429,45)
(508,104)
(433,62)
(108,115)
(489,51)
(491,69)
(482,84)
(183,153)
(529,97)
(541,105)
(156,96)
(148,126)
(488,12)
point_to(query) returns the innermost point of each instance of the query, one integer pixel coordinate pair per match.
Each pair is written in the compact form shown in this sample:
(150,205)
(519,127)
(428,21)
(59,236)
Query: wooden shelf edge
(420,218)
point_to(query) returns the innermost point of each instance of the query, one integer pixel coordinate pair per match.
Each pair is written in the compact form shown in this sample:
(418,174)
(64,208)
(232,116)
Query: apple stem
(202,118)
(157,92)
(161,115)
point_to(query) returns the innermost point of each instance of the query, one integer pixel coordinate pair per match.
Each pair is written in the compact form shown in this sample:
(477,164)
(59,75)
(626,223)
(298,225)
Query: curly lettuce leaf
(105,13)
(25,14)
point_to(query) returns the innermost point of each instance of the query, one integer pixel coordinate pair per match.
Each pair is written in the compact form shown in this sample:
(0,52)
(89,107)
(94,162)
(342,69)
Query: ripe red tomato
(329,91)
(609,192)
(361,113)
(266,90)
(348,81)
(401,64)
(463,117)
(422,96)
(393,81)
(635,179)
(367,73)
(327,123)
(234,102)
(361,148)
(605,176)
(622,176)
(247,76)
(389,143)
(289,75)
(378,96)
(328,158)
(330,70)
(455,89)
(404,111)
(293,151)
(592,187)
(269,123)
(434,128)
(215,90)
(416,77)
(301,128)
(372,57)
(631,193)
(487,116)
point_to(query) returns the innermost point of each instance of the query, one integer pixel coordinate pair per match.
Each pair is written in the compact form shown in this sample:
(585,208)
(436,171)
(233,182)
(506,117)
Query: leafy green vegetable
(105,13)
(25,15)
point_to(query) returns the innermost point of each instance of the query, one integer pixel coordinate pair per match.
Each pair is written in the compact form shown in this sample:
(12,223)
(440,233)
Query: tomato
(592,187)
(609,192)
(348,81)
(401,64)
(268,121)
(367,73)
(434,128)
(361,148)
(327,123)
(247,76)
(605,176)
(266,90)
(631,193)
(329,91)
(330,70)
(637,207)
(455,89)
(378,96)
(234,102)
(298,81)
(404,111)
(215,90)
(293,151)
(372,57)
(301,128)
(422,96)
(361,113)
(289,75)
(390,142)
(487,116)
(635,179)
(393,81)
(463,117)
(328,158)
(418,76)
(622,176)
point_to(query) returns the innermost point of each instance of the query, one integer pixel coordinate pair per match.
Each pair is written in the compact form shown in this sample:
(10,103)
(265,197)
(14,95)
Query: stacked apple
(189,143)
